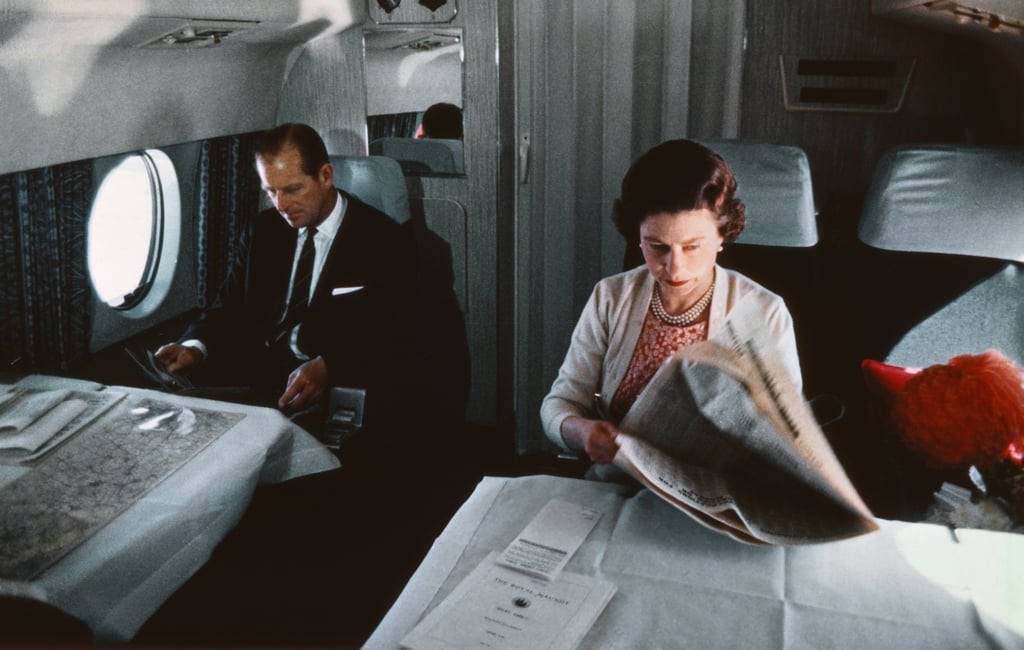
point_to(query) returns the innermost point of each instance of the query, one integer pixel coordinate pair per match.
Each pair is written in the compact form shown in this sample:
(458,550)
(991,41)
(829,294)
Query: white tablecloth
(120,576)
(681,585)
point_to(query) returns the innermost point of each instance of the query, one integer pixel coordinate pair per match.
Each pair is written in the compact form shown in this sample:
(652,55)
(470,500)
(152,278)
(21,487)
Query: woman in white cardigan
(678,205)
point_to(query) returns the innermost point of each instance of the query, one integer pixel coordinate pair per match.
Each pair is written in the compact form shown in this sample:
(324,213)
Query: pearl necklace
(687,317)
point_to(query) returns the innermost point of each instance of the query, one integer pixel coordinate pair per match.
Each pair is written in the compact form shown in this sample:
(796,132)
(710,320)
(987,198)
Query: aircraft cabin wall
(92,78)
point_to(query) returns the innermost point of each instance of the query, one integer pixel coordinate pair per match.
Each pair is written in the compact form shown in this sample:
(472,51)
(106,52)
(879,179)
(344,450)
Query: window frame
(172,289)
(158,223)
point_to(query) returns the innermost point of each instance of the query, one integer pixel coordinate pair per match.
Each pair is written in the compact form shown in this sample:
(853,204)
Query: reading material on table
(33,422)
(521,598)
(497,607)
(722,433)
(100,472)
(550,539)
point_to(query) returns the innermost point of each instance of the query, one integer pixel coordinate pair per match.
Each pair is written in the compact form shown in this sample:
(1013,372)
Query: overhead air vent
(852,85)
(410,39)
(199,33)
(432,42)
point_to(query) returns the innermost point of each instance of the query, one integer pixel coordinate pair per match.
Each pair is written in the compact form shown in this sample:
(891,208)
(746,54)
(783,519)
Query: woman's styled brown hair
(674,176)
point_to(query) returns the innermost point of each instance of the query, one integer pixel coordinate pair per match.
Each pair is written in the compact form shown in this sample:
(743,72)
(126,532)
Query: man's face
(301,199)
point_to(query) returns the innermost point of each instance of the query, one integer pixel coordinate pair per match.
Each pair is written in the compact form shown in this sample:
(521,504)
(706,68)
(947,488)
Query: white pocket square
(341,291)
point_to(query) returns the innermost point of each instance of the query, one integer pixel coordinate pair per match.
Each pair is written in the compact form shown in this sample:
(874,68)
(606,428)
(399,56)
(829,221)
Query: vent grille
(853,85)
(198,33)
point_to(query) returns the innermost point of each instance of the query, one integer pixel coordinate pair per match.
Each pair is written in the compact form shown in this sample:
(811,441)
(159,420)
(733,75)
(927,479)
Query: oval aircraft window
(126,228)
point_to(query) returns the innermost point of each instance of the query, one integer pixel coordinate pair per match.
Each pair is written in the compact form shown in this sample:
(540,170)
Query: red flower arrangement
(966,415)
(969,411)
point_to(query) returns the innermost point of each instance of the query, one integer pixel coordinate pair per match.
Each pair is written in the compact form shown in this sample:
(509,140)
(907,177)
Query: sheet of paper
(35,435)
(78,410)
(496,607)
(550,539)
(28,406)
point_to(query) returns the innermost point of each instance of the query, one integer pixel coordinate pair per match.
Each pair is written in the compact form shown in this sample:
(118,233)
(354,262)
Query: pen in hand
(601,414)
(599,407)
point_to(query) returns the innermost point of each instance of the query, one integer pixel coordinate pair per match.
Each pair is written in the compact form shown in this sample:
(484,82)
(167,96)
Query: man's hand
(177,357)
(305,386)
(598,438)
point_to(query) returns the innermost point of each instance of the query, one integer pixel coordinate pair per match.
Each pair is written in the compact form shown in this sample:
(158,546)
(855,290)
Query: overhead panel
(857,85)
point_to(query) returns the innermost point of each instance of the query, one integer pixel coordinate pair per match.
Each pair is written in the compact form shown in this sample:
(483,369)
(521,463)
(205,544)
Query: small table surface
(908,585)
(122,573)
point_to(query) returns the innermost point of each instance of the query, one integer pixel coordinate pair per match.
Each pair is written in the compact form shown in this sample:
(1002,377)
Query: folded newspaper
(722,433)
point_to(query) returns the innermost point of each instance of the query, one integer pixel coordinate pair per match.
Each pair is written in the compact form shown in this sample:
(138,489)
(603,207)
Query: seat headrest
(375,180)
(774,182)
(422,155)
(947,199)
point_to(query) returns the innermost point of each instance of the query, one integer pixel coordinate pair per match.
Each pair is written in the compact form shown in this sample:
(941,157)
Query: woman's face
(680,249)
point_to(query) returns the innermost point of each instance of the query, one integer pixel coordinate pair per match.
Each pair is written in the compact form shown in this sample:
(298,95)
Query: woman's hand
(598,438)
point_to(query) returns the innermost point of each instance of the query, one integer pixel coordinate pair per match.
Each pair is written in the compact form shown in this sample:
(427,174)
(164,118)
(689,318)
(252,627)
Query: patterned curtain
(229,190)
(45,294)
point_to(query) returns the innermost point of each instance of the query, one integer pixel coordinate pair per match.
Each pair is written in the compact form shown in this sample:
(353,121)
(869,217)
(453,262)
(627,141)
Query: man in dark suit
(375,319)
(354,329)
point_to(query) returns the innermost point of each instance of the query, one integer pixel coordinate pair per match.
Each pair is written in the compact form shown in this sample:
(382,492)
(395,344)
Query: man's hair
(443,121)
(301,136)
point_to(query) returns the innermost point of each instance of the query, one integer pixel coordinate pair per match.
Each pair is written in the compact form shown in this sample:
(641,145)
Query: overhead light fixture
(430,42)
(389,5)
(433,5)
(964,14)
(199,33)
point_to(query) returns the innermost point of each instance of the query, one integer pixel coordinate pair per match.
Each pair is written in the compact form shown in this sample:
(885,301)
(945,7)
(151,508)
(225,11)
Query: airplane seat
(375,180)
(421,156)
(938,273)
(440,372)
(777,248)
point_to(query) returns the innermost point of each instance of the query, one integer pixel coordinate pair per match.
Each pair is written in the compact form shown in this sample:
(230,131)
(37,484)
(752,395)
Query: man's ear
(326,174)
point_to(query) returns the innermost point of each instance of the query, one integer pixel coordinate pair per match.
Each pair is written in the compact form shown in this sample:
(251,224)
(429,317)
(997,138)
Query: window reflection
(413,76)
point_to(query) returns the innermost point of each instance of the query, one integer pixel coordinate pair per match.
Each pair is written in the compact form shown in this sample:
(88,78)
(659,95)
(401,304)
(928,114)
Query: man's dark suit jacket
(363,335)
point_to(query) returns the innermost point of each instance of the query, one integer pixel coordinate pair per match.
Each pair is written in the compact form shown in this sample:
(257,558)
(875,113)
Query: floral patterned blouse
(658,341)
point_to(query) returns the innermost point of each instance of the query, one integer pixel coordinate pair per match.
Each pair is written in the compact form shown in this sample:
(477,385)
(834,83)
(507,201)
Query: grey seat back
(954,219)
(778,245)
(424,155)
(375,180)
(774,182)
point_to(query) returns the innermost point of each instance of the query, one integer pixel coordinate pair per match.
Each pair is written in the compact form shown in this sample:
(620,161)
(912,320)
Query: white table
(681,585)
(119,576)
